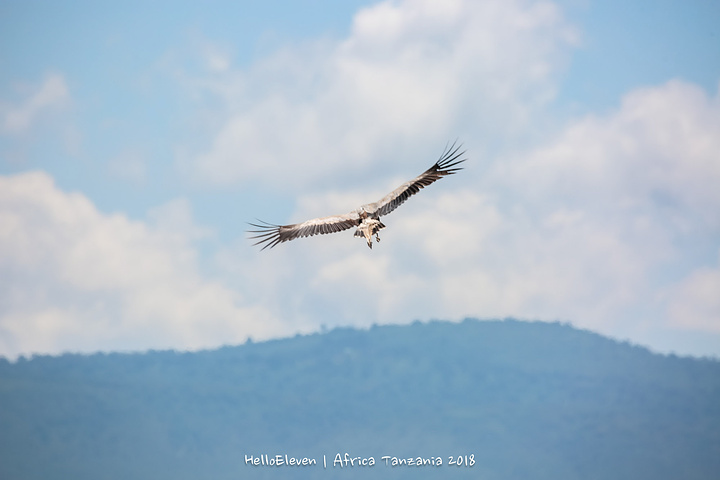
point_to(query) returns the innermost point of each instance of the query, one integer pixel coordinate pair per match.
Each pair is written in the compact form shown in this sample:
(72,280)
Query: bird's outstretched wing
(446,165)
(271,235)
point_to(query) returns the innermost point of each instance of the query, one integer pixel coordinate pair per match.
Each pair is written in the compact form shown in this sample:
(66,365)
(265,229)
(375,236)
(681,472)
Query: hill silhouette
(518,400)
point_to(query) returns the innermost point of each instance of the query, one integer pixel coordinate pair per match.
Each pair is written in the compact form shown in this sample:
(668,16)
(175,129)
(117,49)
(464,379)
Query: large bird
(367,217)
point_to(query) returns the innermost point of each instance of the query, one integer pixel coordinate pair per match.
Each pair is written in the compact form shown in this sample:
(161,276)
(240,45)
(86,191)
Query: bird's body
(367,217)
(368,226)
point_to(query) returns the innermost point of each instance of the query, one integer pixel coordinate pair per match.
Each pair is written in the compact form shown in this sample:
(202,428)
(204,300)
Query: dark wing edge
(446,165)
(269,234)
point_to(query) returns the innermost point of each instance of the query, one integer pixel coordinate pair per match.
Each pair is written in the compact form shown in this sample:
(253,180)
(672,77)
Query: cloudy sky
(137,140)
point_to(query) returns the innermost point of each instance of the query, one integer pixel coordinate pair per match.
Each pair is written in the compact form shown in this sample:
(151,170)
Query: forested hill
(514,400)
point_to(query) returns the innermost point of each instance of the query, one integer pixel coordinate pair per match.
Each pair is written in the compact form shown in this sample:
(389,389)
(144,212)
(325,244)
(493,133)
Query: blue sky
(136,141)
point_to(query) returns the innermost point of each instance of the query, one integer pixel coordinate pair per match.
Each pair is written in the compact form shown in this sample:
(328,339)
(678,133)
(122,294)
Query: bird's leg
(377,237)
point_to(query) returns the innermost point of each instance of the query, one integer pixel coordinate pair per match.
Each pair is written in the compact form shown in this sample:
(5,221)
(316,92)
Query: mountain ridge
(527,399)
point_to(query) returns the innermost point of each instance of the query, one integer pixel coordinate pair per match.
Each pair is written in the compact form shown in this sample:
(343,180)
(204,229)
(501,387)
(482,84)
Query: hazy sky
(137,140)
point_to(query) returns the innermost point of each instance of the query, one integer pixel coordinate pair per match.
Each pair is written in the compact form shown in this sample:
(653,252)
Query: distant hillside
(518,400)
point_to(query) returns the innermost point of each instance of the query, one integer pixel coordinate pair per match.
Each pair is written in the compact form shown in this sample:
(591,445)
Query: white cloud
(175,218)
(407,70)
(129,165)
(610,223)
(659,151)
(618,208)
(694,302)
(604,226)
(76,279)
(216,60)
(52,94)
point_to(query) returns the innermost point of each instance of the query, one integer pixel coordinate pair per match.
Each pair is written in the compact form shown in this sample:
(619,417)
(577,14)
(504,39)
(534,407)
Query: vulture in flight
(366,218)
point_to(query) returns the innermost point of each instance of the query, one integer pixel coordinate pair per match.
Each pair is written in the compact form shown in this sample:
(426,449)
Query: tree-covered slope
(521,400)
